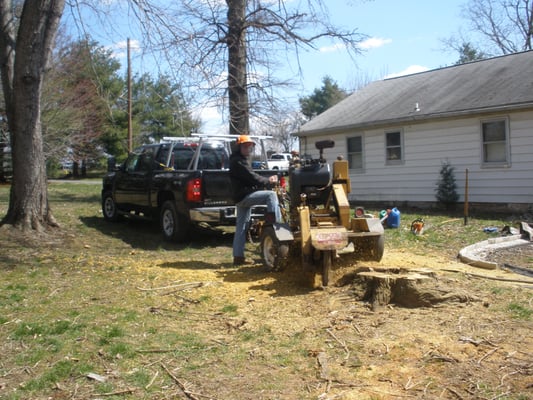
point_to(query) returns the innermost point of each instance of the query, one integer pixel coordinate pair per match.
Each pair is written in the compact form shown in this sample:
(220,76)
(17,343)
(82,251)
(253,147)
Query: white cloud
(371,43)
(119,50)
(412,69)
(212,120)
(374,43)
(330,49)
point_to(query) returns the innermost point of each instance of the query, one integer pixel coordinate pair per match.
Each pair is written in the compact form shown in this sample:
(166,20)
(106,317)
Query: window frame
(360,169)
(506,143)
(399,161)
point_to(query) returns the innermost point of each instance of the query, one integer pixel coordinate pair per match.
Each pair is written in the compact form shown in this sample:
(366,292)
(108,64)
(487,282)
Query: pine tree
(446,186)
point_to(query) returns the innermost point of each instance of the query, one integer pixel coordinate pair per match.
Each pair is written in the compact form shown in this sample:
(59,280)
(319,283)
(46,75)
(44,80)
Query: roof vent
(417,108)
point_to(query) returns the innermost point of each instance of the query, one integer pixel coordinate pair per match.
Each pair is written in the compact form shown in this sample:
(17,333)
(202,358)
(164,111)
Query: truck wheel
(274,253)
(173,226)
(109,207)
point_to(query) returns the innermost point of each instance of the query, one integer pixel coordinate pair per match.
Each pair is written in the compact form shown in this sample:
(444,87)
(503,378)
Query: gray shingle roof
(495,84)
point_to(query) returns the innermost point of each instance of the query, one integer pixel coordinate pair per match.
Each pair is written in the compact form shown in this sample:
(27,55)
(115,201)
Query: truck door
(133,185)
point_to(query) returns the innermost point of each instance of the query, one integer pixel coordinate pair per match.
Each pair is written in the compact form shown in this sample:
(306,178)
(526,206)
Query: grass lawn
(110,311)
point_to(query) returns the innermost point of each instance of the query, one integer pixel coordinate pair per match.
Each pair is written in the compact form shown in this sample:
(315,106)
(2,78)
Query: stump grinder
(318,225)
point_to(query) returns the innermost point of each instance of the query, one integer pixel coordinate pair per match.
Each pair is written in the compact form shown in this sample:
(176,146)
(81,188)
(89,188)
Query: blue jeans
(258,198)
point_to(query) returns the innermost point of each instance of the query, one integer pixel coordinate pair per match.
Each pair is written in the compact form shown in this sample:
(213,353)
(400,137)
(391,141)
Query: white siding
(426,146)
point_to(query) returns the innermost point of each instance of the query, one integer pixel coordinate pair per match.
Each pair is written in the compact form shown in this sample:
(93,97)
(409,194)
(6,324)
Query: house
(396,133)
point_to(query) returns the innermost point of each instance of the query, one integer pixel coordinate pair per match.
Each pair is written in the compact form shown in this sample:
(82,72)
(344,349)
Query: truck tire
(173,226)
(109,207)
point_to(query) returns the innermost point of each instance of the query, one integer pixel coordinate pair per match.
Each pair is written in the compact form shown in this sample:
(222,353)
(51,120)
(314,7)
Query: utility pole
(130,133)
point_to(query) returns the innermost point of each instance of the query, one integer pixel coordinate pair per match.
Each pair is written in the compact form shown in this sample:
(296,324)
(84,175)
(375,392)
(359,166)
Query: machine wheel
(273,252)
(174,227)
(327,257)
(109,207)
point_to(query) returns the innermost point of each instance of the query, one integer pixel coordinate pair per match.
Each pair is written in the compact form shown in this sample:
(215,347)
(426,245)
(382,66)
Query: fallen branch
(494,278)
(341,343)
(183,386)
(118,393)
(155,351)
(409,385)
(487,355)
(181,286)
(152,380)
(454,392)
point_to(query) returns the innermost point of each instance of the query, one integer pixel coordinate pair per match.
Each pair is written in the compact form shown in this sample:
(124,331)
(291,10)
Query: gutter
(415,118)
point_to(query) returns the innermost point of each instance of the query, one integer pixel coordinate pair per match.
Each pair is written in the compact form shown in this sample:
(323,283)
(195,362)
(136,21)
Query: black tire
(274,254)
(173,226)
(109,207)
(327,259)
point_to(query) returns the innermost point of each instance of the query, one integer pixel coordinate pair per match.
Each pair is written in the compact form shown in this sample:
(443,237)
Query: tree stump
(403,287)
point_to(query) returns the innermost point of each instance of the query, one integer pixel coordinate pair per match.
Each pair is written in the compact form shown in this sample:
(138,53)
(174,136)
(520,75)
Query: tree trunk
(22,77)
(237,80)
(3,174)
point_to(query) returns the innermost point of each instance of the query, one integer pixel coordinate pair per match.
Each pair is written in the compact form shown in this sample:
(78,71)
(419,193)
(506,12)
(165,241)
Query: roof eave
(417,118)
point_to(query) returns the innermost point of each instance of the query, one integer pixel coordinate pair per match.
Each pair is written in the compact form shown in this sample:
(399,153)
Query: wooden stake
(466,198)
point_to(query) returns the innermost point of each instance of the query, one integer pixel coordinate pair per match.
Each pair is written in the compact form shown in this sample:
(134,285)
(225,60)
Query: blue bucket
(393,220)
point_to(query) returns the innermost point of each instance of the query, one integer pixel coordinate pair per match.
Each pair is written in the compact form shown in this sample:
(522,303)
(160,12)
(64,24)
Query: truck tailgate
(217,187)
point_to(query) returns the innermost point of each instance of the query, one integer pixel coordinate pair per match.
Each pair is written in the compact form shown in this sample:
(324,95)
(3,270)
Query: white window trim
(362,169)
(401,161)
(496,164)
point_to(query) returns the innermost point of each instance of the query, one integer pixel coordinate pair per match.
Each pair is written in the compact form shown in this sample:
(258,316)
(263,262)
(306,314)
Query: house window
(355,153)
(495,142)
(393,147)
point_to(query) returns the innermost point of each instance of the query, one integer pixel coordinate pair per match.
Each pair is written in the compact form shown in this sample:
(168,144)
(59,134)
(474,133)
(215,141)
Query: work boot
(241,261)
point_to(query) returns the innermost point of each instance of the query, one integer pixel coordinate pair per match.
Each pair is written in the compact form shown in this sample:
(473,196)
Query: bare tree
(280,124)
(232,48)
(502,26)
(25,48)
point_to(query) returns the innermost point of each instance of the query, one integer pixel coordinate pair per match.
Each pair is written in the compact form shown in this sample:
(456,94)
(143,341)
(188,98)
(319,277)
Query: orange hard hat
(244,139)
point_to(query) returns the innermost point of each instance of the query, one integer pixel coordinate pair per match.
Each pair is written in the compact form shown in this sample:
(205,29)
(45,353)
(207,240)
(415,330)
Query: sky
(404,36)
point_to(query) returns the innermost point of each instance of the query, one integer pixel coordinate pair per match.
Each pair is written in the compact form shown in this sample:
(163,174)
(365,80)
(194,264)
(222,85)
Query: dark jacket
(243,178)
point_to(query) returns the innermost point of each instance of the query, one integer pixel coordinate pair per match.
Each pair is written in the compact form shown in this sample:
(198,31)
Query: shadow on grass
(8,263)
(69,197)
(191,264)
(145,234)
(284,283)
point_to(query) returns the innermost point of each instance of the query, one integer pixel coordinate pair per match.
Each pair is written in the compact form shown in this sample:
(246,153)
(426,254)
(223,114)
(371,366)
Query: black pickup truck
(182,182)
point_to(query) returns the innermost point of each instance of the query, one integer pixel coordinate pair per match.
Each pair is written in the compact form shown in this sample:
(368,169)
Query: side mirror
(111,164)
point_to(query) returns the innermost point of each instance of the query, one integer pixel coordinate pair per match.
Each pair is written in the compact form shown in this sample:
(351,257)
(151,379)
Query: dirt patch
(518,256)
(201,328)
